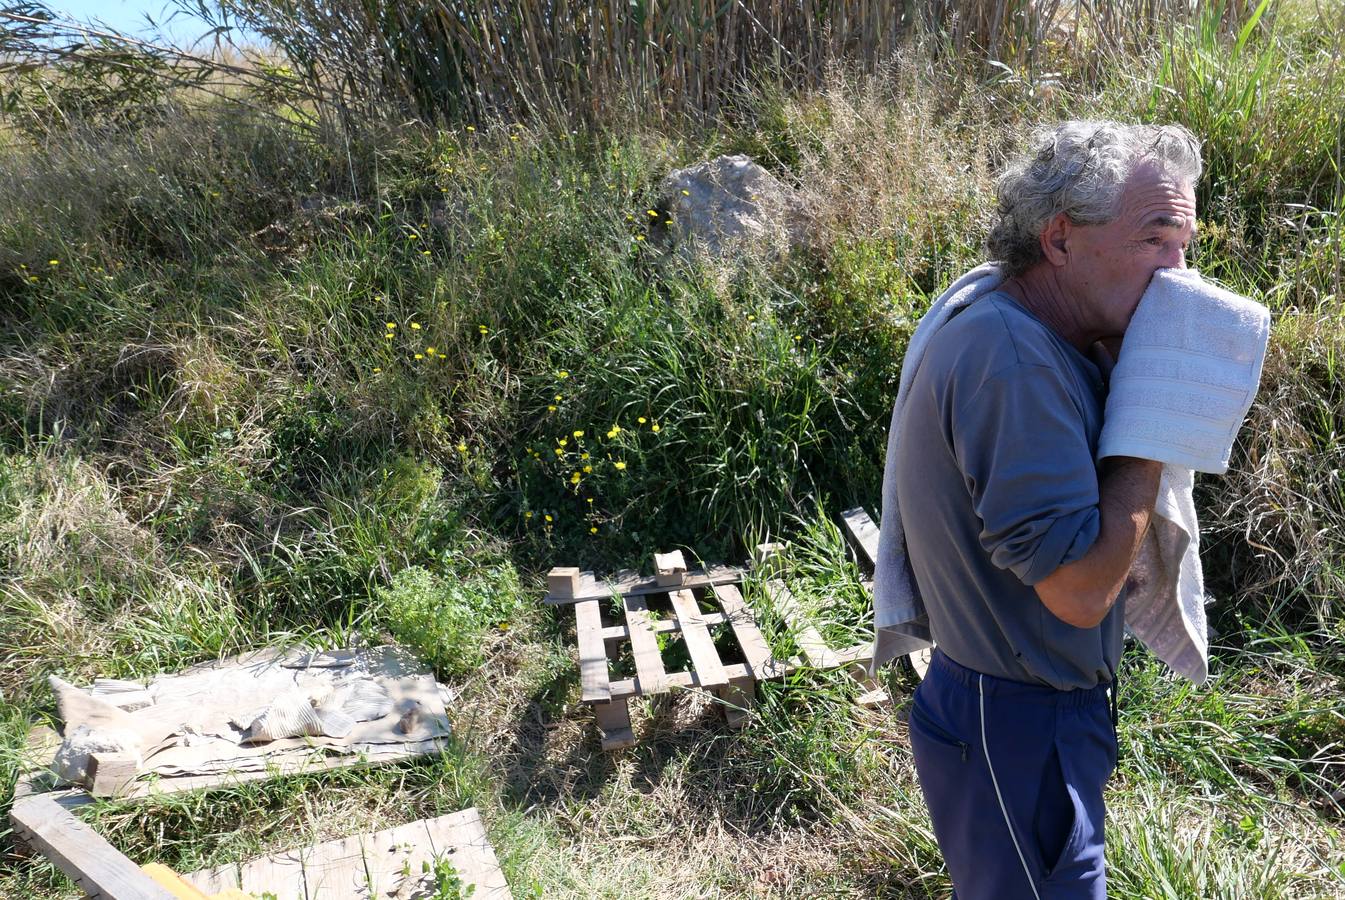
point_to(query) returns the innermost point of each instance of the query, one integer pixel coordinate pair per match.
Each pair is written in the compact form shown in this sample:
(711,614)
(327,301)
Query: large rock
(727,208)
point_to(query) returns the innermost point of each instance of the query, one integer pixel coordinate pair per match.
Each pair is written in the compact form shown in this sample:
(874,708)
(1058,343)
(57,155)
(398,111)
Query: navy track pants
(1013,775)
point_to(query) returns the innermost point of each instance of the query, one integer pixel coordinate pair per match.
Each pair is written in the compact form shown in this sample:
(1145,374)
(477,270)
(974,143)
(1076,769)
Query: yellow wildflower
(473,128)
(548,517)
(415,325)
(462,448)
(642,420)
(639,237)
(528,514)
(588,470)
(53,262)
(390,325)
(562,441)
(483,329)
(654,428)
(551,407)
(413,236)
(377,370)
(388,335)
(558,397)
(579,434)
(686,193)
(430,351)
(562,374)
(620,465)
(751,318)
(797,338)
(574,479)
(560,451)
(420,356)
(652,213)
(589,499)
(593,530)
(583,456)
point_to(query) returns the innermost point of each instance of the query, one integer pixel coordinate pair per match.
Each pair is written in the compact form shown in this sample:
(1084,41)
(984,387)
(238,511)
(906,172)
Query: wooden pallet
(680,594)
(863,535)
(733,683)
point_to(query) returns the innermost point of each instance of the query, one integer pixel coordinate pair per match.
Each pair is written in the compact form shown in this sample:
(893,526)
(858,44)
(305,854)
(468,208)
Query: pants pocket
(925,726)
(1055,823)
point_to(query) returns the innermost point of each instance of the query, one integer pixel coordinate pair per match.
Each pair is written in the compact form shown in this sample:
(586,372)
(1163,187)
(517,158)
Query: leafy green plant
(446,616)
(448,885)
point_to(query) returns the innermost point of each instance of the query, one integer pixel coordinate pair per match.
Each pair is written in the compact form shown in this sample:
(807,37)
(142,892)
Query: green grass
(208,444)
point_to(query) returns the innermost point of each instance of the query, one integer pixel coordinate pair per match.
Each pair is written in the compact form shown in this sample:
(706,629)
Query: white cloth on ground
(1211,344)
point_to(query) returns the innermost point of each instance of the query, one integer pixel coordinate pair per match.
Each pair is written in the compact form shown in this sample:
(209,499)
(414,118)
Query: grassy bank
(209,443)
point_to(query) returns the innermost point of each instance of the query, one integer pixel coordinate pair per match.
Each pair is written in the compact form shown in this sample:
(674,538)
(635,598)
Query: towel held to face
(1187,375)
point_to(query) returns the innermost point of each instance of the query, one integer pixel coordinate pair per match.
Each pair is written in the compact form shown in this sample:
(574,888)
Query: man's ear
(1055,238)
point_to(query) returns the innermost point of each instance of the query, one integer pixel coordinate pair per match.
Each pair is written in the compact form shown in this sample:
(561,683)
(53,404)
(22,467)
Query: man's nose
(1174,258)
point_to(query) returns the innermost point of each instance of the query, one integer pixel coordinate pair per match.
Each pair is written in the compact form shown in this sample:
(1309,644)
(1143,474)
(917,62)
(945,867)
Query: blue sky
(128,16)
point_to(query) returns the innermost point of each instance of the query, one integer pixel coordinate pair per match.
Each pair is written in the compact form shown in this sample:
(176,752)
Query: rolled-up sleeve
(1022,447)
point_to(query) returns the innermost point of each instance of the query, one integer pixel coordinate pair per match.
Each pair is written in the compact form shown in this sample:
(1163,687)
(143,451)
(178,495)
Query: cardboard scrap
(198,722)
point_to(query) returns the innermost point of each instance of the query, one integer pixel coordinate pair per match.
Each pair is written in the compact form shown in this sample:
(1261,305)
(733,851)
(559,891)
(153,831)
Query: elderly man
(1020,543)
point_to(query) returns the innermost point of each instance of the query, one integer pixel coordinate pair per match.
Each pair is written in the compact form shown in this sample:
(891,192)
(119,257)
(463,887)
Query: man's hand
(1081,593)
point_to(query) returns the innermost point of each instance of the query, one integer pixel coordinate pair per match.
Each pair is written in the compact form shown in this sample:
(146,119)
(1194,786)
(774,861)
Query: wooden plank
(759,656)
(112,774)
(614,722)
(463,834)
(633,584)
(81,853)
(701,646)
(593,673)
(622,633)
(738,696)
(670,568)
(806,635)
(372,865)
(863,533)
(644,646)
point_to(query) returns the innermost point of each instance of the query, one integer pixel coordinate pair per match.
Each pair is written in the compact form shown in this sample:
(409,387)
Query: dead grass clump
(66,525)
(1283,501)
(882,162)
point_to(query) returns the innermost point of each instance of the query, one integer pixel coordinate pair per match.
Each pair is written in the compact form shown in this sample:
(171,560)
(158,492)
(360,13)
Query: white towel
(1187,375)
(1182,320)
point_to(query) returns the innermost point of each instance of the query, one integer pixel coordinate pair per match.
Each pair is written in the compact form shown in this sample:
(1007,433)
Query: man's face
(1109,266)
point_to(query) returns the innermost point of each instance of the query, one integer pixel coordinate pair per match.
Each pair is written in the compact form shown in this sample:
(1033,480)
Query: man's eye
(1154,242)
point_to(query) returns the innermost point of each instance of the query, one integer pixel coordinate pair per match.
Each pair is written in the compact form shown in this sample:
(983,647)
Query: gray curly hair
(1078,168)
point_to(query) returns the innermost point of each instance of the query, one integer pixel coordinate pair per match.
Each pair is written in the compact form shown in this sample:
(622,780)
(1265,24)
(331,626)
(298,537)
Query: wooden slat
(592,652)
(81,853)
(863,533)
(806,635)
(632,687)
(644,647)
(622,633)
(701,646)
(632,584)
(759,656)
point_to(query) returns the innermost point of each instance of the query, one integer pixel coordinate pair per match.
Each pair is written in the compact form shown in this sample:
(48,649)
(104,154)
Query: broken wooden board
(371,865)
(81,853)
(819,654)
(863,534)
(628,583)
